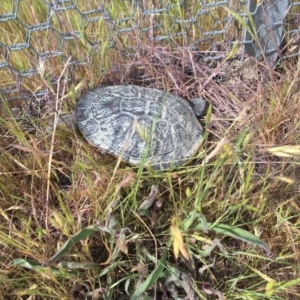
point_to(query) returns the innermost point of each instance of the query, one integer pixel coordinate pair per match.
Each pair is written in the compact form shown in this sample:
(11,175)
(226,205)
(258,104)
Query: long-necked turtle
(141,125)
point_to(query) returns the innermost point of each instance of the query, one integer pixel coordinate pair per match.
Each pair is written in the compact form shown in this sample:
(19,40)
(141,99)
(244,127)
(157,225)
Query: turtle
(144,126)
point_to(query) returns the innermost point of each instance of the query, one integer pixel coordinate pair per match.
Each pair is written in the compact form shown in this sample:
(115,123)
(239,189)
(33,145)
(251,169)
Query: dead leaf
(148,202)
(159,204)
(207,288)
(126,180)
(153,218)
(107,262)
(207,267)
(121,242)
(178,243)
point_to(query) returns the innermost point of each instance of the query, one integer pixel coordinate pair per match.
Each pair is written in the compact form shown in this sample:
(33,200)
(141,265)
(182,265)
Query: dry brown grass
(242,184)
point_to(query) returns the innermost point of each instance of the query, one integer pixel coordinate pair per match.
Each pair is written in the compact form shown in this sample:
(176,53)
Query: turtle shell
(141,125)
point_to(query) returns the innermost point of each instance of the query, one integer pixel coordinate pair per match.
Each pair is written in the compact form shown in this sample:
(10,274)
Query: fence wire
(40,35)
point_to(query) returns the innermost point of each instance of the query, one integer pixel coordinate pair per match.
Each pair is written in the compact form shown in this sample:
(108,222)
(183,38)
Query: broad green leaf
(190,220)
(152,278)
(26,263)
(80,235)
(36,266)
(235,232)
(240,234)
(74,265)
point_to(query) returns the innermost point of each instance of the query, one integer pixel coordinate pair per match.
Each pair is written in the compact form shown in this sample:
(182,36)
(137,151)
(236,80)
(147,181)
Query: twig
(58,105)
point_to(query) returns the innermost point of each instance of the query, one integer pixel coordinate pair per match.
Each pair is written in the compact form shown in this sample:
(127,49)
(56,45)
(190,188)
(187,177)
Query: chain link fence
(40,36)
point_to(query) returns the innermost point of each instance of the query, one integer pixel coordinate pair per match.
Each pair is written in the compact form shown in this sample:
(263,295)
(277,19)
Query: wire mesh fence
(39,36)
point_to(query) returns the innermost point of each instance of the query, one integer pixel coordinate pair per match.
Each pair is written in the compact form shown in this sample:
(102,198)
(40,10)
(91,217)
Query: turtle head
(198,106)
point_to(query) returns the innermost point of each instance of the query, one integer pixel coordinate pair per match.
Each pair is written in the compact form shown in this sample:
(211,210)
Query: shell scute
(91,127)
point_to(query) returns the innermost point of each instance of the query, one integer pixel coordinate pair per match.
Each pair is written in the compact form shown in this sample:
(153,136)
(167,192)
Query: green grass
(75,224)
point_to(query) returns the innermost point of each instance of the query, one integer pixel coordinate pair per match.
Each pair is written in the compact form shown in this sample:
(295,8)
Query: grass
(76,224)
